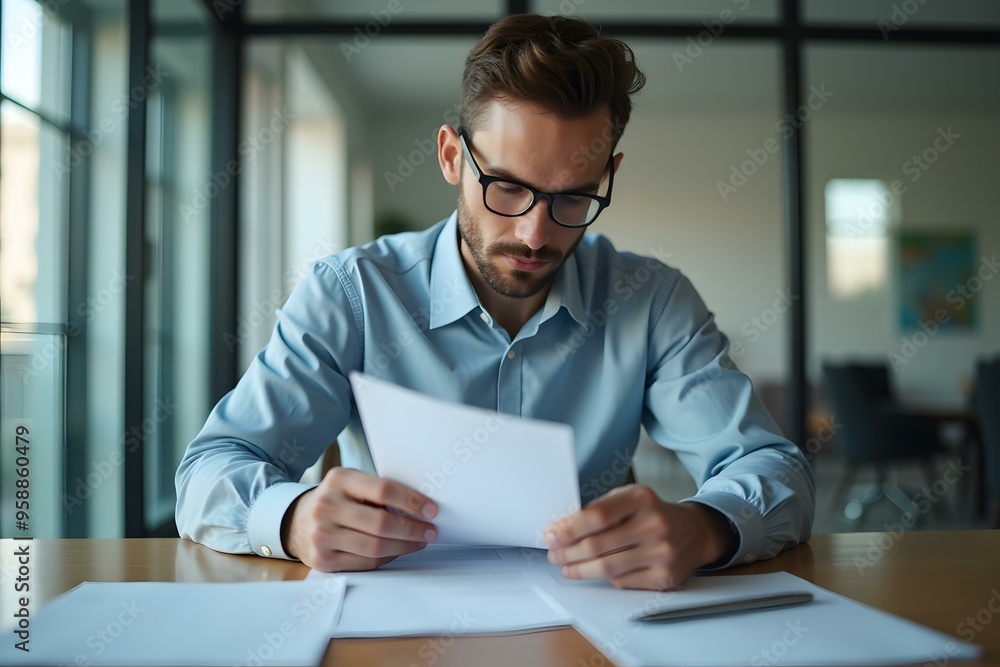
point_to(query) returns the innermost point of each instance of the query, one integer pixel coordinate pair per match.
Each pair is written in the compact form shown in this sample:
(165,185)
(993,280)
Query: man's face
(519,256)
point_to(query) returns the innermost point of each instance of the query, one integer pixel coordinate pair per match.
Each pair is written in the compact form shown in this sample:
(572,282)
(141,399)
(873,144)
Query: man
(507,305)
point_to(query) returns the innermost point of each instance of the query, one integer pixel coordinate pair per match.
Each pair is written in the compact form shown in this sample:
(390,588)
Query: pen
(739,604)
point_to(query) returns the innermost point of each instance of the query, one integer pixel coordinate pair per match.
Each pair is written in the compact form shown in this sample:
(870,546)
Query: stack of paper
(398,604)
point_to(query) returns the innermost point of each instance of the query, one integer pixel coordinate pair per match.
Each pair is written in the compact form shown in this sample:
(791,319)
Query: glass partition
(180,187)
(902,237)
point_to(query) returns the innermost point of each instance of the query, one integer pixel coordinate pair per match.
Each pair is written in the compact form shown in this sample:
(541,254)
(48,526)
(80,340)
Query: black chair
(987,402)
(875,433)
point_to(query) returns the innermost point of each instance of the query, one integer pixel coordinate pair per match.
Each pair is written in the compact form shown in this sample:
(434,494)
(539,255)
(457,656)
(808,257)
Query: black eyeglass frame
(485,181)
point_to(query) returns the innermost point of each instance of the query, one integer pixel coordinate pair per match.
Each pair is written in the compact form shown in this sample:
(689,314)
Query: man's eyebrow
(500,172)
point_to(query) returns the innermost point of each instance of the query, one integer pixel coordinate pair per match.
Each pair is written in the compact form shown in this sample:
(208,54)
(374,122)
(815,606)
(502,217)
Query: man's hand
(632,538)
(356,521)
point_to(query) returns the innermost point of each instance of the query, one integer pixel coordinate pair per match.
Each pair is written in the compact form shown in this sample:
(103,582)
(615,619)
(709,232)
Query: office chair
(987,404)
(874,433)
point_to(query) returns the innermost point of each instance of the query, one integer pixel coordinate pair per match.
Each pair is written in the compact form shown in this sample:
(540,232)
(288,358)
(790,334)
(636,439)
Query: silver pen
(735,604)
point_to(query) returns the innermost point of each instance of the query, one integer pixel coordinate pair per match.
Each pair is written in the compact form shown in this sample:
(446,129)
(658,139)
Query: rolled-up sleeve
(239,475)
(698,404)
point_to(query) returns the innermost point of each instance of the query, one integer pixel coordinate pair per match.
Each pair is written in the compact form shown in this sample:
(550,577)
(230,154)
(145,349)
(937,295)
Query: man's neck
(510,313)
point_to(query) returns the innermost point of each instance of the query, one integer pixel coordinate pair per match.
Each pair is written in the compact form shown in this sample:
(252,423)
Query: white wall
(406,178)
(666,198)
(298,203)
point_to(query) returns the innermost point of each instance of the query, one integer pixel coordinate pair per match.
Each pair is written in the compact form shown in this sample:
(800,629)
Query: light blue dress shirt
(622,341)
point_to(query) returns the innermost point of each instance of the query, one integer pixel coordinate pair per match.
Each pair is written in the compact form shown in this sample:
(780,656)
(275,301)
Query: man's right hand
(356,521)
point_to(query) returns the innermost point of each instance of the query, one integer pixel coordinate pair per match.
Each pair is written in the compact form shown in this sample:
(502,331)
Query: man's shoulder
(390,254)
(597,255)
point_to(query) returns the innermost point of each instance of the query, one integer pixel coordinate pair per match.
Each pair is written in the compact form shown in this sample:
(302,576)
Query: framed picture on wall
(938,283)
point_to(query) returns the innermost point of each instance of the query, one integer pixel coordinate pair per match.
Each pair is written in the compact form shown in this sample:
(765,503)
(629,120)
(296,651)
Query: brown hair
(561,64)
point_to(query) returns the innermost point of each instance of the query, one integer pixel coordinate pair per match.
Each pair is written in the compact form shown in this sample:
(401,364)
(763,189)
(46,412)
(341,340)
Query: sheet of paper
(497,479)
(159,624)
(400,603)
(831,630)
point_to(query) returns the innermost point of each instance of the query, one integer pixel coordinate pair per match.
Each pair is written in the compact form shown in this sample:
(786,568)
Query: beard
(502,279)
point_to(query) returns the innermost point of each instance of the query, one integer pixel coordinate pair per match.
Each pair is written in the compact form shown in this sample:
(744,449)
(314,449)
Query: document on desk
(449,590)
(497,479)
(161,623)
(830,630)
(442,602)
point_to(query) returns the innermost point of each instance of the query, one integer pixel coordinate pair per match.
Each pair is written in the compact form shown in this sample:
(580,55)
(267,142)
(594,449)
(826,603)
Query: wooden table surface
(938,579)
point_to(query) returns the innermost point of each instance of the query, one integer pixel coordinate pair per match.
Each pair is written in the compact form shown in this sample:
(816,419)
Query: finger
(608,566)
(623,536)
(381,491)
(605,512)
(341,561)
(378,522)
(647,579)
(363,544)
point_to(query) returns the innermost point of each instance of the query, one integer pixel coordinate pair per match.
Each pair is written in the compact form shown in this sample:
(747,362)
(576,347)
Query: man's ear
(618,160)
(450,154)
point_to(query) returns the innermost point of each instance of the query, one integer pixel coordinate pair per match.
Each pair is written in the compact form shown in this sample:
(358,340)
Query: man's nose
(532,228)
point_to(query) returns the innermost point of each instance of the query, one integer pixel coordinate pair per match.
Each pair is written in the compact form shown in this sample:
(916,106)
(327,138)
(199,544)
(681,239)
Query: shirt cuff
(264,525)
(744,516)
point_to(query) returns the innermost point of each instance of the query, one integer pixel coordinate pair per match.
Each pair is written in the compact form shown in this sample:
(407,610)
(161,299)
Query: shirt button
(265,550)
(484,317)
(749,557)
(511,354)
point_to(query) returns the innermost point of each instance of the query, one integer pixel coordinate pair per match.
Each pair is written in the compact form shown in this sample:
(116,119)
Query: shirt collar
(452,295)
(566,293)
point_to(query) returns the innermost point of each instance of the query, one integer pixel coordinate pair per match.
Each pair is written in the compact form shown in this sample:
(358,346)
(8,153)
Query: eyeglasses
(511,198)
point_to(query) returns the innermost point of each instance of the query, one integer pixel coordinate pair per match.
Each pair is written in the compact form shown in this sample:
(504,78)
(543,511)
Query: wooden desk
(934,578)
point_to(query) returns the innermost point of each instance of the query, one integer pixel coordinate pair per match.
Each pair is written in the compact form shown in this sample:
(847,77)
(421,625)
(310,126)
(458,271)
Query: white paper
(830,630)
(160,623)
(442,603)
(497,479)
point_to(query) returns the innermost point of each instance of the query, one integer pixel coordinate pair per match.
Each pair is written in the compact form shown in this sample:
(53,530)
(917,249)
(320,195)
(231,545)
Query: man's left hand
(635,540)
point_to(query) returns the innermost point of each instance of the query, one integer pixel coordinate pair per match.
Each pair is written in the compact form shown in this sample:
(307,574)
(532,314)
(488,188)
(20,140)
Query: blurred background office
(824,171)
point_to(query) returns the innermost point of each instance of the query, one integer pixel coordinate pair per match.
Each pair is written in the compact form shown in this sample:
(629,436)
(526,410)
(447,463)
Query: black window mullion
(77,455)
(797,387)
(227,87)
(135,216)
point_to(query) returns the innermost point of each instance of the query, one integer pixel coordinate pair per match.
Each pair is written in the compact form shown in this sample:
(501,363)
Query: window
(859,214)
(35,152)
(34,231)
